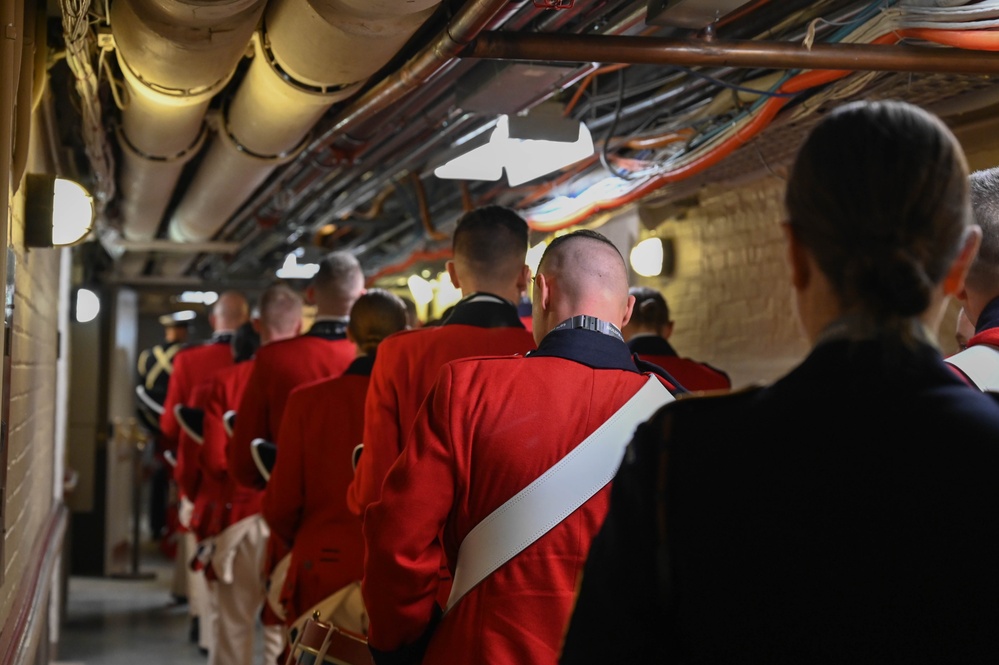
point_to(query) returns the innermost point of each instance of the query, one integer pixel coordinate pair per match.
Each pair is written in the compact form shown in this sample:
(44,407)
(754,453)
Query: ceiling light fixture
(524,146)
(292,269)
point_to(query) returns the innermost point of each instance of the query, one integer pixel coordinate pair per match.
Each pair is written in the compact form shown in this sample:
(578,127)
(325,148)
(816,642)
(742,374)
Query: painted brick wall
(730,294)
(30,460)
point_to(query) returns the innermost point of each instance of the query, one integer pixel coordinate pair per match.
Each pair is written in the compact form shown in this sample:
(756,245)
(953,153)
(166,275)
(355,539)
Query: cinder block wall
(730,294)
(30,457)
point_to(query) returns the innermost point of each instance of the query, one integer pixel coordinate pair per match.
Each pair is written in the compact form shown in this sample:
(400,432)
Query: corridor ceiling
(218,137)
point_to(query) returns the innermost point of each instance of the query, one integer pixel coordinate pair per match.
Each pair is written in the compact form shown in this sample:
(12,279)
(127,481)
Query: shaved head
(339,282)
(581,273)
(230,311)
(280,313)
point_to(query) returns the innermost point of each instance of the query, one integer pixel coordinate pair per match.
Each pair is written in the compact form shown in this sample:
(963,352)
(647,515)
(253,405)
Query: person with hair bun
(845,513)
(305,503)
(647,335)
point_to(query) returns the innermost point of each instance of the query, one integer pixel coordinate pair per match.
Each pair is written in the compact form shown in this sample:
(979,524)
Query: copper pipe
(376,204)
(469,21)
(421,200)
(772,55)
(467,204)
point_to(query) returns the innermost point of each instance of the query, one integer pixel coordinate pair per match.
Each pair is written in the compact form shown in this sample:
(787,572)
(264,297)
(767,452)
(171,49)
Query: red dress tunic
(305,501)
(691,374)
(191,366)
(237,502)
(279,368)
(488,429)
(405,369)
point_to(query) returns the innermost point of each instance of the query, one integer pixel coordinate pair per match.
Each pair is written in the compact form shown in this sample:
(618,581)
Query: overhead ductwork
(309,56)
(175,55)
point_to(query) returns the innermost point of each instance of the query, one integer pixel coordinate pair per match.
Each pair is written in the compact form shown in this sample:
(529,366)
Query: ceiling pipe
(770,55)
(174,57)
(309,56)
(473,17)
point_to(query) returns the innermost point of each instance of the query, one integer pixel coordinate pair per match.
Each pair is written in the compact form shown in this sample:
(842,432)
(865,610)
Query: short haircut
(340,276)
(651,309)
(581,234)
(280,308)
(492,240)
(376,315)
(984,272)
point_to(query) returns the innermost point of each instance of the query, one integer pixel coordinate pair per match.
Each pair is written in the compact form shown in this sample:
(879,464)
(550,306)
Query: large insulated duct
(175,55)
(310,55)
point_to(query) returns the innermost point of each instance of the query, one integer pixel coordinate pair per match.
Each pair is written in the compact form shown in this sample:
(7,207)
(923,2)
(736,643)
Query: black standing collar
(651,345)
(331,329)
(484,310)
(598,351)
(586,347)
(362,365)
(989,318)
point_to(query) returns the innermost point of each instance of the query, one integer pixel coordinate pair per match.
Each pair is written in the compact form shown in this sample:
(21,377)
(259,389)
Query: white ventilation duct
(311,55)
(175,56)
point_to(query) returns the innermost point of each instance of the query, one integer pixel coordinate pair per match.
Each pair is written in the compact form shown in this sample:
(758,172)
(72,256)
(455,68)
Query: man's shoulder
(300,346)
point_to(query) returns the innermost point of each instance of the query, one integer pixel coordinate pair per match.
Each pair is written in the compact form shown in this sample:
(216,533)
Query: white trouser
(238,563)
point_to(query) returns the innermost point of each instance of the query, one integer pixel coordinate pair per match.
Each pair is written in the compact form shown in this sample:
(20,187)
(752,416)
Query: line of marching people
(481,491)
(282,439)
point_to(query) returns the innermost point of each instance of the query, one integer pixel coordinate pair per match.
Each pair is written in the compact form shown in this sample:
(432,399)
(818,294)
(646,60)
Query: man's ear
(954,281)
(628,310)
(310,295)
(452,273)
(543,296)
(797,259)
(667,330)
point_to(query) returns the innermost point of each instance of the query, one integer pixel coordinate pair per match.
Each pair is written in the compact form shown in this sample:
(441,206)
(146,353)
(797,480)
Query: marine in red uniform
(490,427)
(197,363)
(647,335)
(980,295)
(305,501)
(489,247)
(191,366)
(282,366)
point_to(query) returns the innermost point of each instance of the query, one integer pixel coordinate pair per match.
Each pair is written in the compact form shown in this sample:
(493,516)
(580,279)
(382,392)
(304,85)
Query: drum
(321,643)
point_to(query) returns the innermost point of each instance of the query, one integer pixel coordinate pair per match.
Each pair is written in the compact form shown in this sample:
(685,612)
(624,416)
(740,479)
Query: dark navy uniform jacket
(845,514)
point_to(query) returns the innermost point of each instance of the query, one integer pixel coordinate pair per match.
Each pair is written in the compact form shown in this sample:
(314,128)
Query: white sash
(555,495)
(980,363)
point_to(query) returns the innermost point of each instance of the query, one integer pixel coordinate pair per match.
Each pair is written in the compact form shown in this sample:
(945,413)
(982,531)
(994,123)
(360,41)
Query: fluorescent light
(523,160)
(293,270)
(647,257)
(527,159)
(88,306)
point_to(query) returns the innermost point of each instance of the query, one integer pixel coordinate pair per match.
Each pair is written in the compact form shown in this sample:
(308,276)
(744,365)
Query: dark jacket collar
(484,310)
(651,345)
(586,347)
(989,318)
(362,365)
(331,329)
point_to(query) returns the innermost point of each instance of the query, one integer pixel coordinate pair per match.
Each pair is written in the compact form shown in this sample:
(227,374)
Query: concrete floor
(126,621)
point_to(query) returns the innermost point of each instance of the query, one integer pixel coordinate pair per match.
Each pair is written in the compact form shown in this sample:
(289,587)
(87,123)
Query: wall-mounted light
(88,305)
(653,257)
(58,212)
(422,290)
(524,146)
